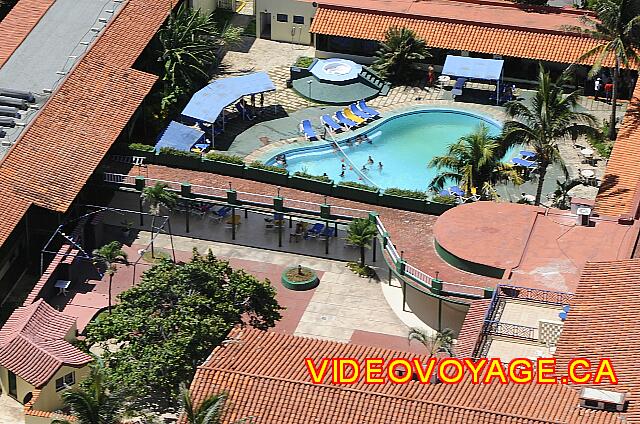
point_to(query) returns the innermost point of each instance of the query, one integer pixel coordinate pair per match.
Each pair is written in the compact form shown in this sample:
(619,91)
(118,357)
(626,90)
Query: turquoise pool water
(404,144)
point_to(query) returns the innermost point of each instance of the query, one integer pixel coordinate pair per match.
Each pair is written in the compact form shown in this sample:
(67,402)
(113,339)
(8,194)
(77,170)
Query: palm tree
(93,404)
(107,256)
(399,54)
(360,233)
(617,28)
(561,195)
(474,163)
(210,411)
(550,117)
(440,341)
(188,48)
(158,197)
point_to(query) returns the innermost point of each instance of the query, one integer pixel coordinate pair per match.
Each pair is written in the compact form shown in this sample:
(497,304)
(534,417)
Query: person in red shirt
(608,91)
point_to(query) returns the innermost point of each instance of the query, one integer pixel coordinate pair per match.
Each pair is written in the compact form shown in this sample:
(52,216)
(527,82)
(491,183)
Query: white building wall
(205,6)
(289,31)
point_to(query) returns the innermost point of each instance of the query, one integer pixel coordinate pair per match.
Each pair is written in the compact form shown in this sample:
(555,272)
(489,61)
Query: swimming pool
(404,143)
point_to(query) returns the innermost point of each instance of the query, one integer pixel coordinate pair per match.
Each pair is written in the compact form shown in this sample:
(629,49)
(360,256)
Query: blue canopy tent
(207,104)
(473,67)
(179,136)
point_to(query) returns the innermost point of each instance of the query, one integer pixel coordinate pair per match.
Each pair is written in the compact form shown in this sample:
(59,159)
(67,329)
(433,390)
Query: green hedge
(412,194)
(220,157)
(141,147)
(259,165)
(361,186)
(320,178)
(175,152)
(304,62)
(447,200)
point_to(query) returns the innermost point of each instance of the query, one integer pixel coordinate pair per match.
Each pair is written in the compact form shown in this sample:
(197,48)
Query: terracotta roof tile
(471,328)
(454,35)
(33,345)
(59,151)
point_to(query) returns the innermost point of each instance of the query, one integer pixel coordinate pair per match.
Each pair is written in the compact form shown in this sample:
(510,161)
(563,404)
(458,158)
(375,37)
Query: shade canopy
(179,136)
(207,104)
(472,67)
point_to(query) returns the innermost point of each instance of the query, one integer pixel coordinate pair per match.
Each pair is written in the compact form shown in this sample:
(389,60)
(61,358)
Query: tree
(107,256)
(474,162)
(158,197)
(188,48)
(551,116)
(167,324)
(435,342)
(93,403)
(210,411)
(399,55)
(360,233)
(561,195)
(618,29)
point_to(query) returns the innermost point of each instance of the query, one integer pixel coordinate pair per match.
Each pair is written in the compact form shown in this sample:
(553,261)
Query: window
(65,381)
(282,17)
(298,20)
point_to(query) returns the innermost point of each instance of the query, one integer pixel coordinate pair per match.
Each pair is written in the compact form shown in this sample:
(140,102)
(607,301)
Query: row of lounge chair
(527,160)
(350,117)
(459,194)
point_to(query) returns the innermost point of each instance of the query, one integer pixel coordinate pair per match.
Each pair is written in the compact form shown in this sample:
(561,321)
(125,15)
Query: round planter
(307,284)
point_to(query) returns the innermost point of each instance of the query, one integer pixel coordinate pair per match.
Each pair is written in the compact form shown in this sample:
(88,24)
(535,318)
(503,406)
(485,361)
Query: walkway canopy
(207,104)
(180,137)
(472,67)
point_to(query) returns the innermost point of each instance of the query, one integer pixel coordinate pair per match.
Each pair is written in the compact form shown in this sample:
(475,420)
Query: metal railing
(504,329)
(536,295)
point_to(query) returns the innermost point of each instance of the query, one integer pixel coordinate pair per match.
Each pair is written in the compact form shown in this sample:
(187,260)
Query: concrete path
(11,411)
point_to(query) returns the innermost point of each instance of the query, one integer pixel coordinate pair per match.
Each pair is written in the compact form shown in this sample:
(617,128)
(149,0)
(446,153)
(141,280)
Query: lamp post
(309,82)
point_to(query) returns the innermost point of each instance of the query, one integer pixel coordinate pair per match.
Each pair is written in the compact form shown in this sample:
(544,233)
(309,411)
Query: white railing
(421,276)
(119,178)
(391,250)
(380,226)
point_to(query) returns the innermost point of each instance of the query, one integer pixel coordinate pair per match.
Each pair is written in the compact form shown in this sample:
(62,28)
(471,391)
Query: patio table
(62,286)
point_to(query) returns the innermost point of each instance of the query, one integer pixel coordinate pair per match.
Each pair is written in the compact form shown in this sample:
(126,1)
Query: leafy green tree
(210,411)
(399,55)
(561,195)
(158,197)
(168,324)
(93,403)
(551,116)
(474,162)
(108,256)
(618,29)
(188,48)
(360,233)
(434,342)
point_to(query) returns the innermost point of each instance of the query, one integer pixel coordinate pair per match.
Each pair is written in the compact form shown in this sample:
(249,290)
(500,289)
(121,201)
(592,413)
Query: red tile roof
(265,376)
(603,323)
(618,194)
(458,32)
(471,328)
(15,27)
(60,150)
(33,345)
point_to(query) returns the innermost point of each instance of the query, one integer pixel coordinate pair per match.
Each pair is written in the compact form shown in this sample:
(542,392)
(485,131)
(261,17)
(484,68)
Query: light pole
(309,82)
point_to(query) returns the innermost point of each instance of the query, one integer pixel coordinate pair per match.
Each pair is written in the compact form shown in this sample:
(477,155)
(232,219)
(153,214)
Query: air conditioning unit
(604,400)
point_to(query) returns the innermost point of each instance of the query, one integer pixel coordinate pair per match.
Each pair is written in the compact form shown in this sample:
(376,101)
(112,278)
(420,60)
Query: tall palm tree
(440,341)
(360,233)
(474,162)
(618,29)
(188,48)
(95,403)
(107,256)
(158,197)
(399,54)
(210,411)
(551,116)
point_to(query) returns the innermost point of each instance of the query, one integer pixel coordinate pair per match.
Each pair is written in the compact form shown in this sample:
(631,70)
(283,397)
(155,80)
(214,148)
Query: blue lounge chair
(328,122)
(244,112)
(221,213)
(307,130)
(528,164)
(457,88)
(359,113)
(315,230)
(528,155)
(345,121)
(562,315)
(444,192)
(366,109)
(456,191)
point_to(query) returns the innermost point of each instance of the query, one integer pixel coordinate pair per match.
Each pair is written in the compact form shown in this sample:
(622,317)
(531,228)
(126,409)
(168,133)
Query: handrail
(351,164)
(505,329)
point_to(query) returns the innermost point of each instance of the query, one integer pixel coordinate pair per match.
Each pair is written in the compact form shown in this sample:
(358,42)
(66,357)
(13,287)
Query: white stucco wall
(205,6)
(286,31)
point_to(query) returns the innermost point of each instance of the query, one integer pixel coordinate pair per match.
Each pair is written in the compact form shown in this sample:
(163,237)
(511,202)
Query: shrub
(312,177)
(221,157)
(304,62)
(358,185)
(142,147)
(600,142)
(176,152)
(447,200)
(413,194)
(259,165)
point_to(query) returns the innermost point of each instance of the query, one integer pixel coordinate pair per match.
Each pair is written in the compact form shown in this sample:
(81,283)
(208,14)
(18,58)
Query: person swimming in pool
(342,174)
(344,166)
(370,160)
(367,139)
(380,166)
(364,168)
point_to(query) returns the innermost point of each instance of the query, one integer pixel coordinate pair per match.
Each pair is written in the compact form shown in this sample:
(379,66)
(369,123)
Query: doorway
(265,25)
(13,385)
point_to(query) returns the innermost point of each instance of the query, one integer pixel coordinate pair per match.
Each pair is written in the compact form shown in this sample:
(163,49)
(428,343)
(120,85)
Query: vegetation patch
(175,152)
(299,278)
(447,200)
(321,178)
(250,29)
(304,62)
(141,147)
(157,257)
(600,142)
(259,165)
(362,271)
(221,157)
(358,186)
(413,194)
(300,274)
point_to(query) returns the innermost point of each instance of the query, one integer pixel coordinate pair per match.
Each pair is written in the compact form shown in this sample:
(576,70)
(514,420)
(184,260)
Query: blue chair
(359,113)
(528,155)
(244,112)
(315,230)
(328,232)
(307,130)
(459,85)
(524,163)
(562,316)
(328,122)
(456,191)
(566,308)
(366,109)
(221,213)
(345,121)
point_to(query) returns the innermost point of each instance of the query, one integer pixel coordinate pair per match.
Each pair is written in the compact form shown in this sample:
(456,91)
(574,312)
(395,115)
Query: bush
(304,62)
(221,157)
(176,152)
(601,143)
(447,200)
(358,185)
(413,194)
(365,271)
(312,177)
(259,165)
(141,147)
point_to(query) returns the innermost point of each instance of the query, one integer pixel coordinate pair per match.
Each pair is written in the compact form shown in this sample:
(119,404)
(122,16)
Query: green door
(13,385)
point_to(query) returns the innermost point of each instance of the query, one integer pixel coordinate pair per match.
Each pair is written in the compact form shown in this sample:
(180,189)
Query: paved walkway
(11,411)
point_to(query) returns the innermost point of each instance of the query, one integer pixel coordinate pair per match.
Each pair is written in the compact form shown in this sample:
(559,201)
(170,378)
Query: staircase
(371,78)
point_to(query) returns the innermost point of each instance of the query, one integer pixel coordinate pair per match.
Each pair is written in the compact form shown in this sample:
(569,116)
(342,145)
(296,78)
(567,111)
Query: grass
(159,255)
(299,275)
(304,62)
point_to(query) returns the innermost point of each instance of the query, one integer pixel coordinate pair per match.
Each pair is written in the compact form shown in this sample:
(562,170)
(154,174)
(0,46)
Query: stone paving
(11,411)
